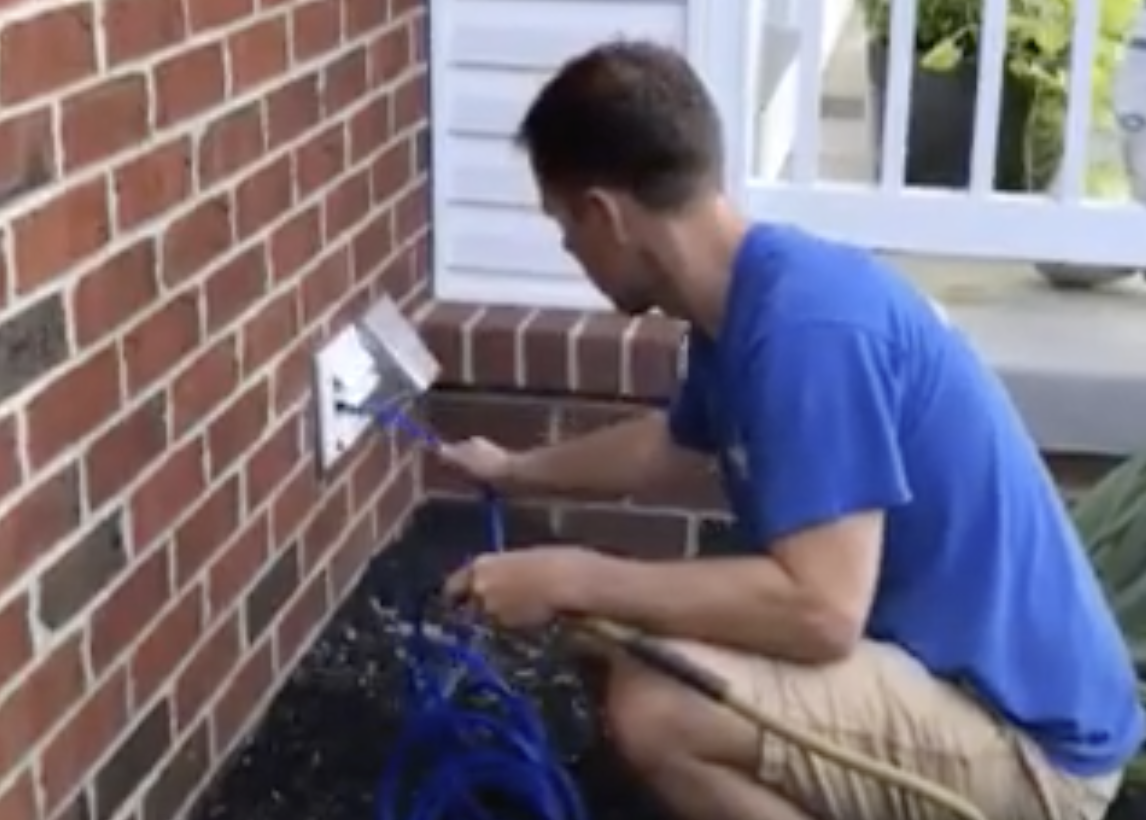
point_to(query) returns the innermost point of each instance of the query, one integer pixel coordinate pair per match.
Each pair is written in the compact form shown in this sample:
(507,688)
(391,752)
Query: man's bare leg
(699,758)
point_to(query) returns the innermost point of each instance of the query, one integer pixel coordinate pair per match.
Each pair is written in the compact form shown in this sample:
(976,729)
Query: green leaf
(943,56)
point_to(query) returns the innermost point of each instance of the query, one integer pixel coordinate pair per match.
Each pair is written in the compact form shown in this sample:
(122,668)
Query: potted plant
(945,81)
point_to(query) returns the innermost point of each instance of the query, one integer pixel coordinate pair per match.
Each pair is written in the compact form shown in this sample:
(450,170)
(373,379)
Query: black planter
(941,123)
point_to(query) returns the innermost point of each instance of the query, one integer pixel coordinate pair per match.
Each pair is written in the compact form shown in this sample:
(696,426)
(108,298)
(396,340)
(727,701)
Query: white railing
(1062,224)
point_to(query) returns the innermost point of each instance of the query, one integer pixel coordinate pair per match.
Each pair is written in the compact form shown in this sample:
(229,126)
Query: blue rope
(470,748)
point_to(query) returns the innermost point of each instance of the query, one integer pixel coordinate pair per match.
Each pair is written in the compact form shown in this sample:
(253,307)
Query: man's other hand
(523,589)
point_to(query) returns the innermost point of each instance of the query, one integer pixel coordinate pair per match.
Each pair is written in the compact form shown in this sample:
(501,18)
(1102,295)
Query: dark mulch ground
(318,753)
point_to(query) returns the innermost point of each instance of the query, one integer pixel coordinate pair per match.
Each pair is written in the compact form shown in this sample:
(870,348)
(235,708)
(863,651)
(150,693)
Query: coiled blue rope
(470,748)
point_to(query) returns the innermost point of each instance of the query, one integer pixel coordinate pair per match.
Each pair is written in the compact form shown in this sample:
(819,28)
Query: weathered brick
(82,573)
(132,761)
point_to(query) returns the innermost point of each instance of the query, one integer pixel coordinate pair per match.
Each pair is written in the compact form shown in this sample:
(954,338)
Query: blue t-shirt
(835,387)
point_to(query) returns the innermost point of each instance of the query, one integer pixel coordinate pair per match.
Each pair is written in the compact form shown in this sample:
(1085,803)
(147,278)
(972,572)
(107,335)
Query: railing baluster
(900,67)
(988,95)
(1080,102)
(806,151)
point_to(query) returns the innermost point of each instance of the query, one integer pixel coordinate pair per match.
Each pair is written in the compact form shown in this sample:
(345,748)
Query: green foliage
(1111,518)
(1037,54)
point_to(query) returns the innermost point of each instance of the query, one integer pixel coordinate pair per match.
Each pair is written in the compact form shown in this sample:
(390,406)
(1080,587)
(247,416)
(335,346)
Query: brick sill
(599,355)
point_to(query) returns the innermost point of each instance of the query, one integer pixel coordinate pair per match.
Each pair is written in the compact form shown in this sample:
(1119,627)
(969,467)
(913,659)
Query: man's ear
(604,207)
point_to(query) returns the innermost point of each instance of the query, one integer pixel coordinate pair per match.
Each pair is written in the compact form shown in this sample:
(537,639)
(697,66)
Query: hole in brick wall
(319,750)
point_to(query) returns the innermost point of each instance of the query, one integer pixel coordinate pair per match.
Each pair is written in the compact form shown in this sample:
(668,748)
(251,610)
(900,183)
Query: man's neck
(697,252)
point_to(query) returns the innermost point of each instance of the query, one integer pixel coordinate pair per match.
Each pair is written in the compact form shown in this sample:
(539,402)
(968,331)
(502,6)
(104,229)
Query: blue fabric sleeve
(688,417)
(820,433)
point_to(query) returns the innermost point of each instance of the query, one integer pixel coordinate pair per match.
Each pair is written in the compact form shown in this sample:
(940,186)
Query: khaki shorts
(882,703)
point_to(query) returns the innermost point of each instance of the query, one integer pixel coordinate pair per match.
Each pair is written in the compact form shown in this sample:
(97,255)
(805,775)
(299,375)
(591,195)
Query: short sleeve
(820,428)
(688,417)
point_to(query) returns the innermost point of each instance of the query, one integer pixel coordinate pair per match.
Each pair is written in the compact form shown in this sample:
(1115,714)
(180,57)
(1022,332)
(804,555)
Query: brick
(346,205)
(267,333)
(196,239)
(165,646)
(598,354)
(121,455)
(179,777)
(132,761)
(73,405)
(82,572)
(443,327)
(15,637)
(11,472)
(115,292)
(547,350)
(293,109)
(272,463)
(71,755)
(238,427)
(104,120)
(238,565)
(46,52)
(322,532)
(301,618)
(259,53)
(47,514)
(345,80)
(295,244)
(210,664)
(189,83)
(412,211)
(139,28)
(157,345)
(153,183)
(361,18)
(52,239)
(292,503)
(652,357)
(324,285)
(137,599)
(35,706)
(496,348)
(371,127)
(168,492)
(235,287)
(393,168)
(372,246)
(390,54)
(271,593)
(241,696)
(27,155)
(642,534)
(33,342)
(203,387)
(320,159)
(231,142)
(317,27)
(292,374)
(18,800)
(518,422)
(263,197)
(210,14)
(409,101)
(204,533)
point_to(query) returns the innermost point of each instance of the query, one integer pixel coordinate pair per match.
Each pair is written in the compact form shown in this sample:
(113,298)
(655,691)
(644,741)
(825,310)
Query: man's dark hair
(628,115)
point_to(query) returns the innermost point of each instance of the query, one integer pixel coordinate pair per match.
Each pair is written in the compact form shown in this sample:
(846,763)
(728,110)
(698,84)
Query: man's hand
(525,588)
(479,459)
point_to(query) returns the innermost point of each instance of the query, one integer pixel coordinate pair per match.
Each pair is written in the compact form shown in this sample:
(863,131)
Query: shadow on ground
(319,750)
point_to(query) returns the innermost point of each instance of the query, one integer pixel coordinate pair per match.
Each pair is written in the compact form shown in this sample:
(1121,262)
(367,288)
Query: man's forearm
(751,604)
(618,460)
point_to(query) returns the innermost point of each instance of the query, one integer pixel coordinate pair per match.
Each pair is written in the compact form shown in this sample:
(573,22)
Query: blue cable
(452,756)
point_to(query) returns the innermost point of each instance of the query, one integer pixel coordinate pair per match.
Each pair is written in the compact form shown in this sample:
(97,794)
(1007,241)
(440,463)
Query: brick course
(194,194)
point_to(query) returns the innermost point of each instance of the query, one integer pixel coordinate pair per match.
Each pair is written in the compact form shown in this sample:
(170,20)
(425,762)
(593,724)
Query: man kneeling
(917,594)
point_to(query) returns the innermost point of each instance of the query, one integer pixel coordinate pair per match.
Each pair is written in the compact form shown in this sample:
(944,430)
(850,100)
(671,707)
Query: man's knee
(641,710)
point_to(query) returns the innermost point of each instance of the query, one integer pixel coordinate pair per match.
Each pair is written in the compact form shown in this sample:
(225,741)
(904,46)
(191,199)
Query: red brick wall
(528,377)
(192,194)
